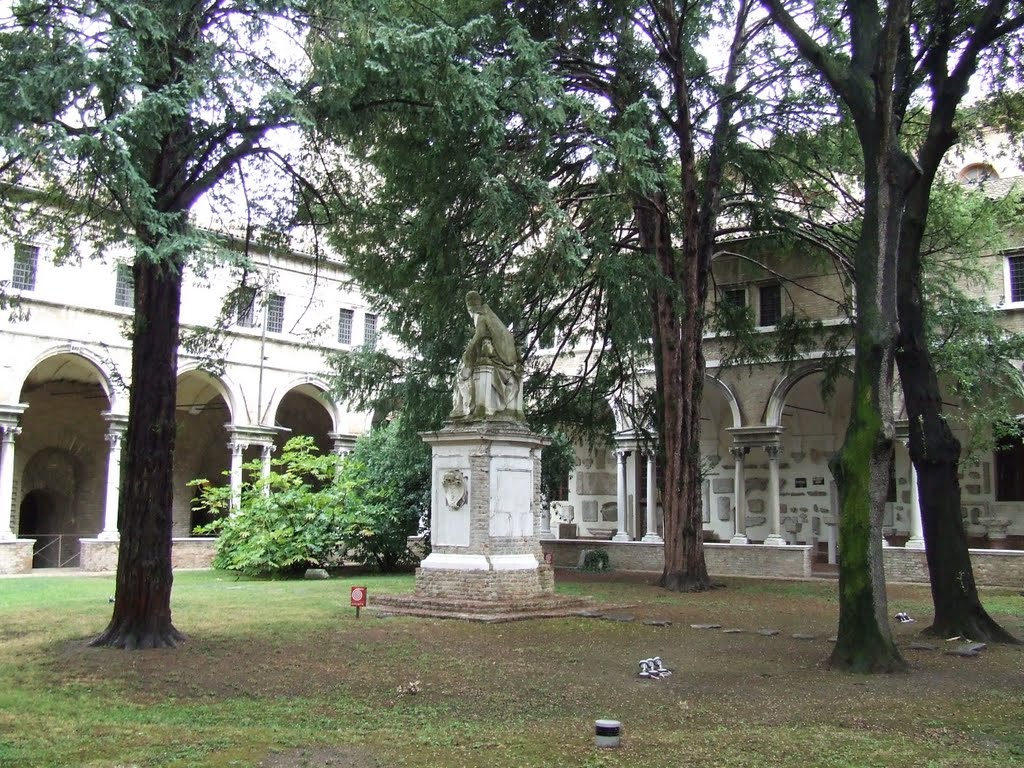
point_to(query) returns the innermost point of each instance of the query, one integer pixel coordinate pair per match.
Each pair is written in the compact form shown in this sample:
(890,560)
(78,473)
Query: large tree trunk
(679,368)
(864,640)
(934,449)
(142,602)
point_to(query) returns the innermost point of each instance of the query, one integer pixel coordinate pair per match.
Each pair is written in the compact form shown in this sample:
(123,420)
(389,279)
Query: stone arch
(73,360)
(777,399)
(305,409)
(207,387)
(311,387)
(62,451)
(205,407)
(730,398)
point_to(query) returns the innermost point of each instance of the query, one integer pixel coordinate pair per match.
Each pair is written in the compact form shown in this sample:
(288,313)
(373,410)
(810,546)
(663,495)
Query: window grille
(124,289)
(345,318)
(275,313)
(26,260)
(770,304)
(1016,277)
(370,331)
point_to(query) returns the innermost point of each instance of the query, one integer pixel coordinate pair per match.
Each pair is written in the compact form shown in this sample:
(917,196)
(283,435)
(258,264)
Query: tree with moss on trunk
(877,58)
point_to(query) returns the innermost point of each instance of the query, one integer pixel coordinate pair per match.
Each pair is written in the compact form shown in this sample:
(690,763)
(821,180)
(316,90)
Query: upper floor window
(1009,469)
(26,261)
(769,308)
(124,289)
(245,307)
(1015,277)
(370,331)
(735,297)
(345,318)
(275,313)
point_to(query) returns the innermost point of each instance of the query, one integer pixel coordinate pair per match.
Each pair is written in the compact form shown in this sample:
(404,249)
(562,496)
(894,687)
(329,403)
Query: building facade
(66,367)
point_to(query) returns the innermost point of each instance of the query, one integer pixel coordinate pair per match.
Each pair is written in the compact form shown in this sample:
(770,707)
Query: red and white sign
(358,595)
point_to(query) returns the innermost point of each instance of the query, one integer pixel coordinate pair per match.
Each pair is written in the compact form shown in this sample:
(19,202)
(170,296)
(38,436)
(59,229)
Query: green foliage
(386,480)
(596,561)
(289,521)
(310,513)
(556,462)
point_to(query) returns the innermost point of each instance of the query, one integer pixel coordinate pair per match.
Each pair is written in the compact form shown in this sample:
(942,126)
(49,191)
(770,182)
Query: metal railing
(56,550)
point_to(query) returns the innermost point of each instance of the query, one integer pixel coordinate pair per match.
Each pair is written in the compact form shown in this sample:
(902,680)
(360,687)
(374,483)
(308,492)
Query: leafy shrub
(287,522)
(307,513)
(596,560)
(387,481)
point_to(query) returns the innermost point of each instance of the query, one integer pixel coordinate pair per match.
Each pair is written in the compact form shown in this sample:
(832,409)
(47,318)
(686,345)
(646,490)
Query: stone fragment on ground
(657,623)
(967,650)
(768,632)
(802,636)
(705,626)
(316,573)
(733,631)
(623,617)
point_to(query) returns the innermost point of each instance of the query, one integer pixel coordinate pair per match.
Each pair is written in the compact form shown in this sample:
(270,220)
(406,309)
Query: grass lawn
(282,675)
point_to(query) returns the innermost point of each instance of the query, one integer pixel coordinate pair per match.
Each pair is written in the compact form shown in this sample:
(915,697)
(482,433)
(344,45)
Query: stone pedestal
(485,514)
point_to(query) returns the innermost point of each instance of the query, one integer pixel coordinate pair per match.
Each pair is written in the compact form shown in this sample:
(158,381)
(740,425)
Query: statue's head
(473,302)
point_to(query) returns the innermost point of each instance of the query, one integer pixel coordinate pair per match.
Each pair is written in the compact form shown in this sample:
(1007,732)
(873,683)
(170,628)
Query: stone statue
(489,384)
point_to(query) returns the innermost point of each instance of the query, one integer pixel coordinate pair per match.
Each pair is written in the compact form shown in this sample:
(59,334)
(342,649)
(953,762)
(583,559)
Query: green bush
(308,513)
(387,481)
(596,560)
(287,522)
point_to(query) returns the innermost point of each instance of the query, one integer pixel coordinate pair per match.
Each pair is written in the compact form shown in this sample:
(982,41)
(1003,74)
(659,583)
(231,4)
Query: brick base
(484,586)
(16,556)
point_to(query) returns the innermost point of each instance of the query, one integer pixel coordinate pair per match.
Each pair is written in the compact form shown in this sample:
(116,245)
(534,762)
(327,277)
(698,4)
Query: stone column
(341,447)
(7,434)
(266,452)
(652,518)
(236,447)
(620,496)
(774,536)
(115,433)
(740,494)
(916,540)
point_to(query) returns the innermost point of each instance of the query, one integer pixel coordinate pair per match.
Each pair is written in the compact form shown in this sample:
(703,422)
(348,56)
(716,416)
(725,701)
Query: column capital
(739,451)
(773,452)
(8,432)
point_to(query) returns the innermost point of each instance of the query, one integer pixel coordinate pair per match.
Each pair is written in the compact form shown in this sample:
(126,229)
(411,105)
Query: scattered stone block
(733,631)
(768,632)
(623,617)
(705,626)
(657,623)
(964,652)
(802,636)
(316,573)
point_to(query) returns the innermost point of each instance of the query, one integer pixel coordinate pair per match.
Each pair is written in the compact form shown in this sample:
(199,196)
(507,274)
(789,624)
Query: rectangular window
(124,289)
(245,307)
(769,304)
(345,318)
(735,297)
(275,313)
(1016,264)
(370,331)
(26,260)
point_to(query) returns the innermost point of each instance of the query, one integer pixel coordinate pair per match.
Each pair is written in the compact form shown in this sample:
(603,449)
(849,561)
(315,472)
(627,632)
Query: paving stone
(733,631)
(922,647)
(768,632)
(802,636)
(657,623)
(705,626)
